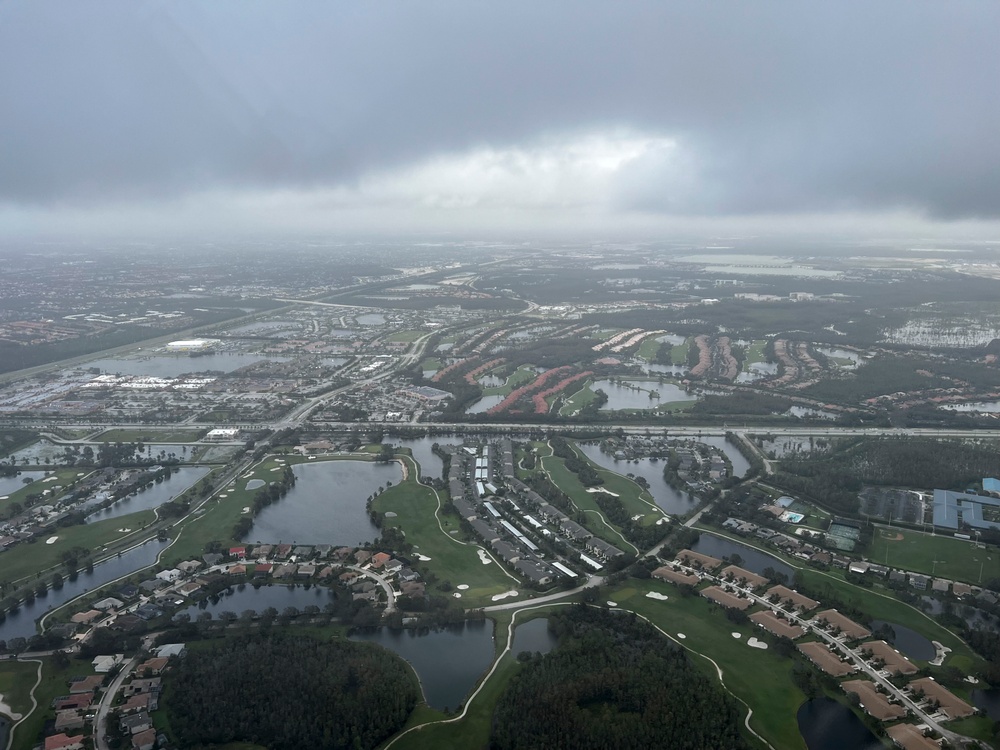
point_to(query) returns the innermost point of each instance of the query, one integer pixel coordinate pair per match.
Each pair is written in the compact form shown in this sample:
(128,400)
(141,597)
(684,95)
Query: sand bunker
(462,586)
(498,597)
(255,484)
(592,490)
(737,635)
(657,595)
(7,710)
(422,558)
(681,636)
(457,595)
(390,514)
(51,540)
(246,509)
(754,643)
(483,557)
(612,604)
(941,651)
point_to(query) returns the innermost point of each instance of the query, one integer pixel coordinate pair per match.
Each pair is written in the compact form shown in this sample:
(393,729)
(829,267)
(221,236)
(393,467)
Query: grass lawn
(416,509)
(877,603)
(755,353)
(27,560)
(942,556)
(635,499)
(16,679)
(405,336)
(193,534)
(648,349)
(759,678)
(64,477)
(679,354)
(55,682)
(520,376)
(150,436)
(567,481)
(980,727)
(578,400)
(431,363)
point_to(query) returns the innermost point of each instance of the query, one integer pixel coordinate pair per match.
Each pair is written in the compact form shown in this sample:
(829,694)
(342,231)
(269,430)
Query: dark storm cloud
(775,107)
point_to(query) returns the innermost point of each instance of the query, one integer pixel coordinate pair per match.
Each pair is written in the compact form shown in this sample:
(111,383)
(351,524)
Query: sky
(240,117)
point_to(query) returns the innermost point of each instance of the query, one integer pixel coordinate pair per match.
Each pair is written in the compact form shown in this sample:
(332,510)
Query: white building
(191,345)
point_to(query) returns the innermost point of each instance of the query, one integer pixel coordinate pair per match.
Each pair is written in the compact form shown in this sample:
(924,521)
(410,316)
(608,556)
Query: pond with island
(640,394)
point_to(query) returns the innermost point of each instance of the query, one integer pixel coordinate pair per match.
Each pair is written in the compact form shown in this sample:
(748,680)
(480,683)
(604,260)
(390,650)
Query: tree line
(613,681)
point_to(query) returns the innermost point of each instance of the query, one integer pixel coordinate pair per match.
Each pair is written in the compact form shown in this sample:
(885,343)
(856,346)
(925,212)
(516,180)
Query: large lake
(448,662)
(153,497)
(326,505)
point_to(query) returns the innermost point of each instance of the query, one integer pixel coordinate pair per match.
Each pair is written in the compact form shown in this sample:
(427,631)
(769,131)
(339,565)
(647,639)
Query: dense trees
(288,693)
(836,480)
(613,682)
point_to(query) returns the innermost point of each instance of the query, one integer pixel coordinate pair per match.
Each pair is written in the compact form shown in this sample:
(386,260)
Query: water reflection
(326,505)
(448,662)
(534,636)
(826,724)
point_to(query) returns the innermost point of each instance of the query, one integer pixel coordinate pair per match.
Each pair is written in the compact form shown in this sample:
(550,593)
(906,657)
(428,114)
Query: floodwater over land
(326,505)
(448,662)
(172,366)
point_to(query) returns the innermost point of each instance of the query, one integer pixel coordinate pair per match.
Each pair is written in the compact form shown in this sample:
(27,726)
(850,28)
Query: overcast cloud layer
(460,116)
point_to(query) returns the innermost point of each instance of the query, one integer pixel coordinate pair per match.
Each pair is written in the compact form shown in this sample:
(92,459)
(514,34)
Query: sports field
(937,555)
